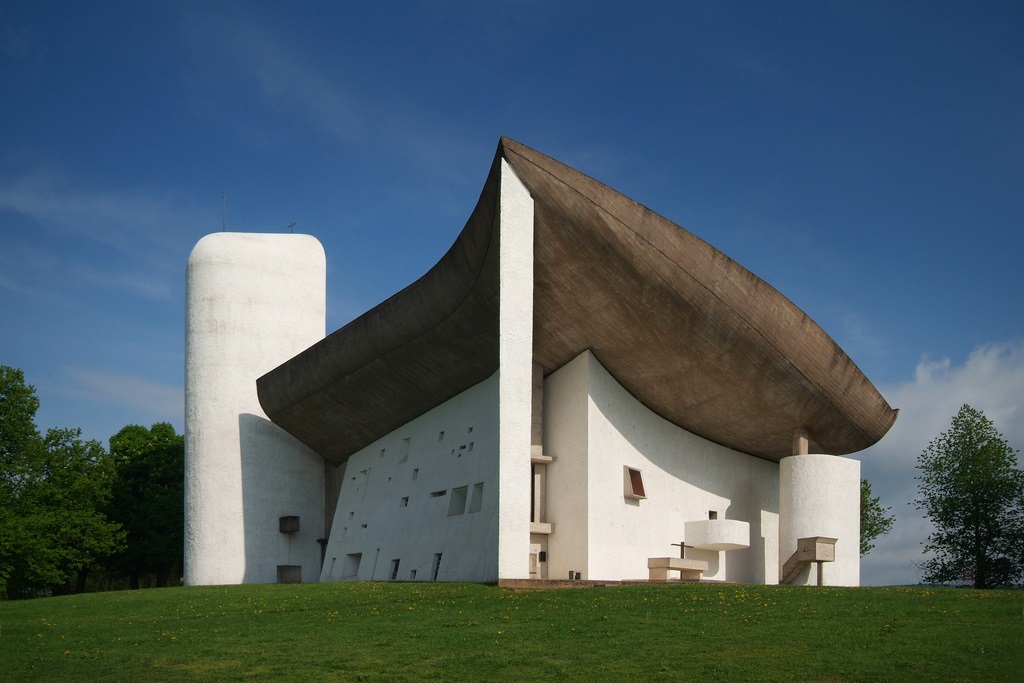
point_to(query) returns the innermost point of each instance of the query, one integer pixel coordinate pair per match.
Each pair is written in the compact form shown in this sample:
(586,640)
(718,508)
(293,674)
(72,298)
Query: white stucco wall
(387,509)
(515,375)
(252,302)
(566,439)
(819,495)
(594,427)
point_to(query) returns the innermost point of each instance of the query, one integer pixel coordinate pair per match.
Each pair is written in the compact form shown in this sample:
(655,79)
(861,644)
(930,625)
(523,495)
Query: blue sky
(865,159)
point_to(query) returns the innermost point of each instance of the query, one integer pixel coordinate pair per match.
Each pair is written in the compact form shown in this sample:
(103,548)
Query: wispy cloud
(143,231)
(157,402)
(119,218)
(991,380)
(282,78)
(143,284)
(321,96)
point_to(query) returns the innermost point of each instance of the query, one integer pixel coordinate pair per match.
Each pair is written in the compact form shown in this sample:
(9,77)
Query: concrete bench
(659,567)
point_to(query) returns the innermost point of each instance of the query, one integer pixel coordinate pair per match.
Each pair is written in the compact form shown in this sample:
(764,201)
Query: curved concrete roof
(689,332)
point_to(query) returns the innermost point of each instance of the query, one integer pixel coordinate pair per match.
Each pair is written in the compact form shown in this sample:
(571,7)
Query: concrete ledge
(659,567)
(717,534)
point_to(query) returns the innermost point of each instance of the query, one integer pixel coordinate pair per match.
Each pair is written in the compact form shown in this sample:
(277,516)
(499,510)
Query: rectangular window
(412,575)
(634,484)
(350,569)
(437,567)
(438,494)
(394,569)
(457,504)
(403,451)
(476,501)
(404,503)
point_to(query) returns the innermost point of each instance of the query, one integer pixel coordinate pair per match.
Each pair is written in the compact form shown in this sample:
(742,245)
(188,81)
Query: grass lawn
(467,632)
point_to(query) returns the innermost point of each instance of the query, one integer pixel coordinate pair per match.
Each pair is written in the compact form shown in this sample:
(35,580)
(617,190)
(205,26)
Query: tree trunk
(80,583)
(133,579)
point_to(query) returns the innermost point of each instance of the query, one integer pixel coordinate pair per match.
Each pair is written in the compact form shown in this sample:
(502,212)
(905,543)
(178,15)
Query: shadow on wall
(710,468)
(280,478)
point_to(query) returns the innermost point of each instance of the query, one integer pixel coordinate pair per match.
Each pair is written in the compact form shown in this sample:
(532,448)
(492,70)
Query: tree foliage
(19,440)
(53,489)
(873,520)
(148,500)
(971,490)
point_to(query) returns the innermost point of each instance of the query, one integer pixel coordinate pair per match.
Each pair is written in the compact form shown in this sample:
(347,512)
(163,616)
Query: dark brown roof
(689,332)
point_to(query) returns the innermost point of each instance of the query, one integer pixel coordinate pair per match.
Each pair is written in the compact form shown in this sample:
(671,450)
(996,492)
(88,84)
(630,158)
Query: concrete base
(659,567)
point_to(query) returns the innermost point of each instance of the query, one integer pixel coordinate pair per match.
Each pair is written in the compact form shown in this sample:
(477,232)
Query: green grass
(421,631)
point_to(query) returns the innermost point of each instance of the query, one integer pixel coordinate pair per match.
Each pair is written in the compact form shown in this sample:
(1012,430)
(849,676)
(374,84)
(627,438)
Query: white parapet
(717,534)
(252,302)
(819,496)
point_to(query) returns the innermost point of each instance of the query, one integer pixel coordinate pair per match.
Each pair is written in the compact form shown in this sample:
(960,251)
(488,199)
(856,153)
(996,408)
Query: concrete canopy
(689,332)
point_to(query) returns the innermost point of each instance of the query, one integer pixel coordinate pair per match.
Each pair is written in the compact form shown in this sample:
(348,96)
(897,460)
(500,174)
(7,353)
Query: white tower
(252,302)
(819,496)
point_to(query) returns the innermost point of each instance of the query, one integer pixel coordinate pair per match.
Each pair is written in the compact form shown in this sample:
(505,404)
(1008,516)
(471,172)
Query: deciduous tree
(63,530)
(873,520)
(54,489)
(19,441)
(148,499)
(973,493)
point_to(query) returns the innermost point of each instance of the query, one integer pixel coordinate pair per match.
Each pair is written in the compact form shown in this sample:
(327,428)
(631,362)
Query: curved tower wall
(819,495)
(252,302)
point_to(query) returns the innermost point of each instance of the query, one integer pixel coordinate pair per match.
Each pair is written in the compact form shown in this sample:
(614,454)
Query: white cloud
(283,79)
(116,218)
(143,232)
(144,284)
(323,96)
(992,381)
(149,401)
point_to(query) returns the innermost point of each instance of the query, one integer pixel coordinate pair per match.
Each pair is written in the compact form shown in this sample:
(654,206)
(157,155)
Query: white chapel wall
(252,302)
(605,535)
(427,489)
(565,435)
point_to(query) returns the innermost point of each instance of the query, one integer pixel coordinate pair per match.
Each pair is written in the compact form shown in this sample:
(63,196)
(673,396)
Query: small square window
(404,503)
(633,484)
